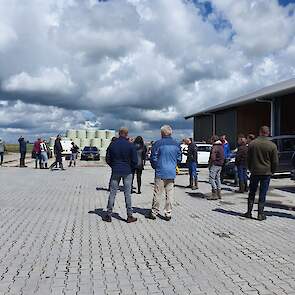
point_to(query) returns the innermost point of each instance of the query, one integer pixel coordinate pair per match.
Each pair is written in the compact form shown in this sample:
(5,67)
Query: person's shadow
(267,213)
(100,212)
(143,211)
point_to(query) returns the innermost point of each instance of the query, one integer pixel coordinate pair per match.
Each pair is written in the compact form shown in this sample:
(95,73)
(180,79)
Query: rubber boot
(46,166)
(195,185)
(191,182)
(218,194)
(36,164)
(248,214)
(213,195)
(70,164)
(20,163)
(61,166)
(241,189)
(261,215)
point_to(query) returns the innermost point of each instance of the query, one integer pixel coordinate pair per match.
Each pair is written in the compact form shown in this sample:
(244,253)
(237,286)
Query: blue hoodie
(166,153)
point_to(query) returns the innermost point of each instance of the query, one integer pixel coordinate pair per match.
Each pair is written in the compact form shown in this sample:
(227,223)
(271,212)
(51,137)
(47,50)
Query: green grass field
(14,148)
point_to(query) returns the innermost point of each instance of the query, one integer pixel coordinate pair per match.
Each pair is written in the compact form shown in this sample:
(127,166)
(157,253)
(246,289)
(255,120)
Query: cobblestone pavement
(53,240)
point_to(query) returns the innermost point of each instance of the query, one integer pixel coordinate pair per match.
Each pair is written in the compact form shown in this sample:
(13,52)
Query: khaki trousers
(163,186)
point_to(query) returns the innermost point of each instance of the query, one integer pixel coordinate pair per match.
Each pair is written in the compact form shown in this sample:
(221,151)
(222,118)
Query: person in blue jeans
(241,163)
(262,163)
(122,158)
(192,161)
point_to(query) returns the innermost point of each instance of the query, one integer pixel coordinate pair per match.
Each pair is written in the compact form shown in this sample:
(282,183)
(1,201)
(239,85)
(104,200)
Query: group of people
(41,153)
(259,156)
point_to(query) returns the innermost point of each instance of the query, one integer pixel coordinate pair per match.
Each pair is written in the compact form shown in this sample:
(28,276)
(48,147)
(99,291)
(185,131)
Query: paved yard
(53,240)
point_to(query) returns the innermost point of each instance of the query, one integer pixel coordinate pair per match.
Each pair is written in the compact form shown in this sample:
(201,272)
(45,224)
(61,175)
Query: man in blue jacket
(165,155)
(122,158)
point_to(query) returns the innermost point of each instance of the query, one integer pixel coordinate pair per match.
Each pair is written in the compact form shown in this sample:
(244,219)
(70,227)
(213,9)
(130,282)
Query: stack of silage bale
(91,137)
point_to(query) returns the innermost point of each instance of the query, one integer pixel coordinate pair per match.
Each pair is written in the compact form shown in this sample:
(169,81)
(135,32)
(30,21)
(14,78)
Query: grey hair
(166,130)
(123,131)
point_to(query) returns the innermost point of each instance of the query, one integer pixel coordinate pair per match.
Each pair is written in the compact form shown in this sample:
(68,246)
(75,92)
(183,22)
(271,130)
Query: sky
(136,63)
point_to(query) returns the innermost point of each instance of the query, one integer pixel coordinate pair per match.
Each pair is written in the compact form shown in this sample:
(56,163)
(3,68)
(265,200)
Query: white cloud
(49,80)
(136,62)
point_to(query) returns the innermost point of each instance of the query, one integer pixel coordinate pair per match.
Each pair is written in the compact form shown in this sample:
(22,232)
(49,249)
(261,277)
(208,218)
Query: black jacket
(57,148)
(141,154)
(192,153)
(22,145)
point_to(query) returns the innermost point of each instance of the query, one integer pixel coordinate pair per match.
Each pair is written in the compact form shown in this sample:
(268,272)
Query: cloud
(49,80)
(138,63)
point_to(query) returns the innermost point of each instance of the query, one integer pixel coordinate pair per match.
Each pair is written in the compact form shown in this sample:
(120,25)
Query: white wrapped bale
(81,134)
(84,142)
(101,134)
(110,134)
(71,134)
(96,142)
(90,133)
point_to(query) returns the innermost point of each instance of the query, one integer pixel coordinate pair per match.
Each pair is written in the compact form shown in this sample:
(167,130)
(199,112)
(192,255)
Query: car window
(288,144)
(94,149)
(87,148)
(275,141)
(204,148)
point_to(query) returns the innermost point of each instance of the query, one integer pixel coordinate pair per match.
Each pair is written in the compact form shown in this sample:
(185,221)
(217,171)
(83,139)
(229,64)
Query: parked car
(203,153)
(90,153)
(204,150)
(286,149)
(293,167)
(183,148)
(66,146)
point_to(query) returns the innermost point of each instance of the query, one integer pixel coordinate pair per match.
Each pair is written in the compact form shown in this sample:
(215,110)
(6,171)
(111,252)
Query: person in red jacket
(37,152)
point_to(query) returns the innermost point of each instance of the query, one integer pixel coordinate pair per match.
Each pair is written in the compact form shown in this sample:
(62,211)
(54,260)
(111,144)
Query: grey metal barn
(273,106)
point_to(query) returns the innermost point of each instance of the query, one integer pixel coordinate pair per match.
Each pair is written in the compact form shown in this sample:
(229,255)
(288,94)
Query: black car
(90,153)
(286,149)
(293,169)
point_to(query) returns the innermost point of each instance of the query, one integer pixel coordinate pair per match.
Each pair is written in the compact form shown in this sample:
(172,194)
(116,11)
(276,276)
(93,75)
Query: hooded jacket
(216,154)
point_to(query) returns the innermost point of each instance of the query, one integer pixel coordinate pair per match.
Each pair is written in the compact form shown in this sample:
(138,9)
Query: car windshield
(90,149)
(204,148)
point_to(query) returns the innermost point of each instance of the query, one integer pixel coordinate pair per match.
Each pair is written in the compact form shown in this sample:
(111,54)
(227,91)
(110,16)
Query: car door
(286,153)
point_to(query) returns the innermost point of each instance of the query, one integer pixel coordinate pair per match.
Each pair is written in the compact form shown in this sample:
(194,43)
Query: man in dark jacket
(262,163)
(22,151)
(216,162)
(192,161)
(58,153)
(122,158)
(241,163)
(166,153)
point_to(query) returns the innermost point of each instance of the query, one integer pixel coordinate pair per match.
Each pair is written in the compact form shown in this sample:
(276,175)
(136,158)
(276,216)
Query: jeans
(114,185)
(214,177)
(44,157)
(242,174)
(192,169)
(264,181)
(163,186)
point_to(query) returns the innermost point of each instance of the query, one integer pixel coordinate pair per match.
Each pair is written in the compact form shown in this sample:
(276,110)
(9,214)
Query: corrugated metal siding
(226,123)
(203,128)
(252,116)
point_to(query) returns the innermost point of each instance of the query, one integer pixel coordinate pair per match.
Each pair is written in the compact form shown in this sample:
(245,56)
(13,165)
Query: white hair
(166,130)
